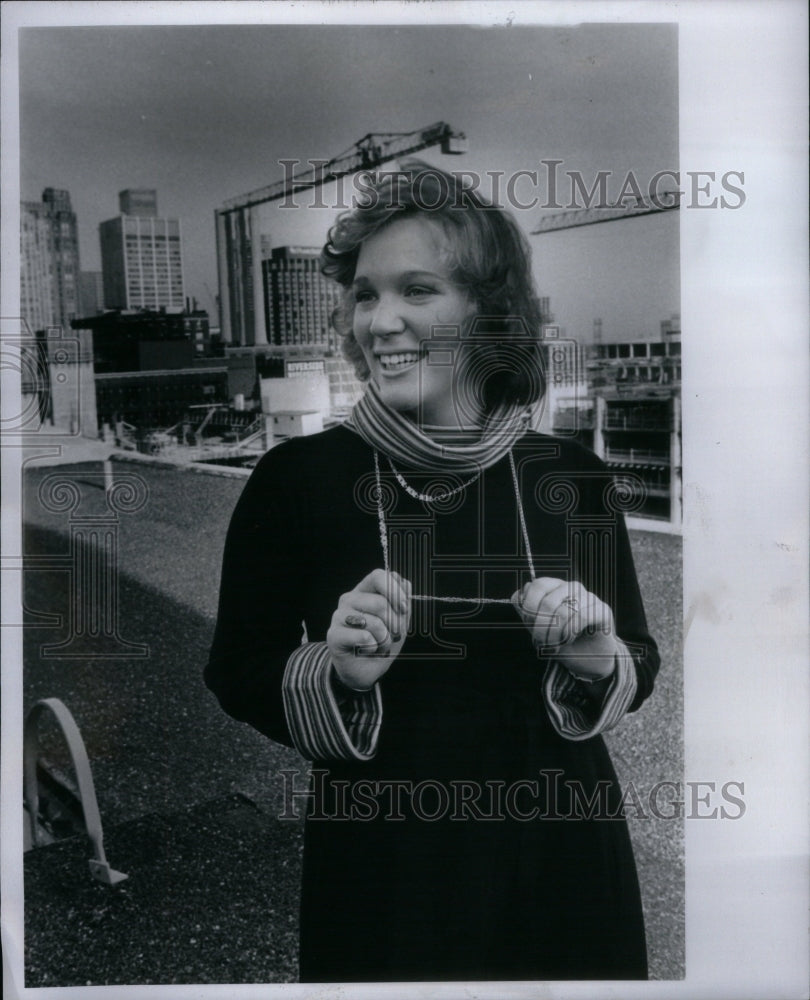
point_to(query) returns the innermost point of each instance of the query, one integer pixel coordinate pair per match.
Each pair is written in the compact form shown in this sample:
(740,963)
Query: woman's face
(402,293)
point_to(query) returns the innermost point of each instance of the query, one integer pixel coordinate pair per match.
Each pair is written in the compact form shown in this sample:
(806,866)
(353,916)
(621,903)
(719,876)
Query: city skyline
(203,114)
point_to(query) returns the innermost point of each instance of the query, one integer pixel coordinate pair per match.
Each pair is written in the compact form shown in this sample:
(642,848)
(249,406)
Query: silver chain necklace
(430,497)
(411,492)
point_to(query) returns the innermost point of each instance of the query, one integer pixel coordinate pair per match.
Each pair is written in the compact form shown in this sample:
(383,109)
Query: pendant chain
(427,497)
(444,496)
(522,516)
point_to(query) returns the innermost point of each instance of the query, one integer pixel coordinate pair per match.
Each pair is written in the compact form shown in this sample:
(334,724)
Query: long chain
(521,515)
(384,531)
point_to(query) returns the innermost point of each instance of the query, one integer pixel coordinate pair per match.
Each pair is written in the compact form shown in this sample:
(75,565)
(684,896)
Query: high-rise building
(65,254)
(241,292)
(298,299)
(141,255)
(36,266)
(91,293)
(49,271)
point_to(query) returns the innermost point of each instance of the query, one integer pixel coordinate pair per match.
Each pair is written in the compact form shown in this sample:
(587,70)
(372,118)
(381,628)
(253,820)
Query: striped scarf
(403,441)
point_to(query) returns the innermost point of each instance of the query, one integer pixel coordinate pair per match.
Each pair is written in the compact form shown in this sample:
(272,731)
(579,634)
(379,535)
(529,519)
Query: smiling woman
(472,625)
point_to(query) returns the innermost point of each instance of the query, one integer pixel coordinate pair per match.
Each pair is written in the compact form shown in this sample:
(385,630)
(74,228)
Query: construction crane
(667,201)
(239,259)
(366,154)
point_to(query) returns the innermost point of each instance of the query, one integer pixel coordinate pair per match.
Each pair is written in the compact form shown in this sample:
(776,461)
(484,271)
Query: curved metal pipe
(99,866)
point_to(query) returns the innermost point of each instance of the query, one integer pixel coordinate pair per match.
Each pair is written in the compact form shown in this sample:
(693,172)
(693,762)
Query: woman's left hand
(571,623)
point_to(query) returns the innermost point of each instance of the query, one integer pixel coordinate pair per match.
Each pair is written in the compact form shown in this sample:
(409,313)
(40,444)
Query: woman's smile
(392,365)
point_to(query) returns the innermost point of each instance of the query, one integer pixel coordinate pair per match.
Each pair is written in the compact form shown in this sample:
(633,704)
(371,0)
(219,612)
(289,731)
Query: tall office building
(65,254)
(141,255)
(36,268)
(49,271)
(91,293)
(239,266)
(298,300)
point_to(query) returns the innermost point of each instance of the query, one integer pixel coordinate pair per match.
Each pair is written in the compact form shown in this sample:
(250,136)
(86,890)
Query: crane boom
(664,202)
(366,154)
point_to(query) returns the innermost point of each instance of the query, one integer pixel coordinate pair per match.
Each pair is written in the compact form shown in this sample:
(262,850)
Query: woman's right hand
(369,627)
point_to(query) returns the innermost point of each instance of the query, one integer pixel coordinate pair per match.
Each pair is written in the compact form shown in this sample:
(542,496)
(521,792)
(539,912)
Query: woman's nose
(386,319)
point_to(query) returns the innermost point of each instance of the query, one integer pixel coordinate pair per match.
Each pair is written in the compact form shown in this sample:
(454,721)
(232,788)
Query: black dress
(479,843)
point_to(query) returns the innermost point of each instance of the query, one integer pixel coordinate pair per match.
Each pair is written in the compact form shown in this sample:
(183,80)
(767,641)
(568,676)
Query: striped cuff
(322,728)
(567,704)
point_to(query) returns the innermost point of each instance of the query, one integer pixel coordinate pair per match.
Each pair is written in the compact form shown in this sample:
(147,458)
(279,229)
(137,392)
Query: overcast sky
(204,114)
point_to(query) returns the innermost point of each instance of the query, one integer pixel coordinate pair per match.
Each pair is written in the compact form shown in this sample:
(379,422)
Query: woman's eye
(361,295)
(419,291)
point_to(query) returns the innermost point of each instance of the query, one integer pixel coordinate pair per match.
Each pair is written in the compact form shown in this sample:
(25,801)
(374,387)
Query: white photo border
(743,106)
